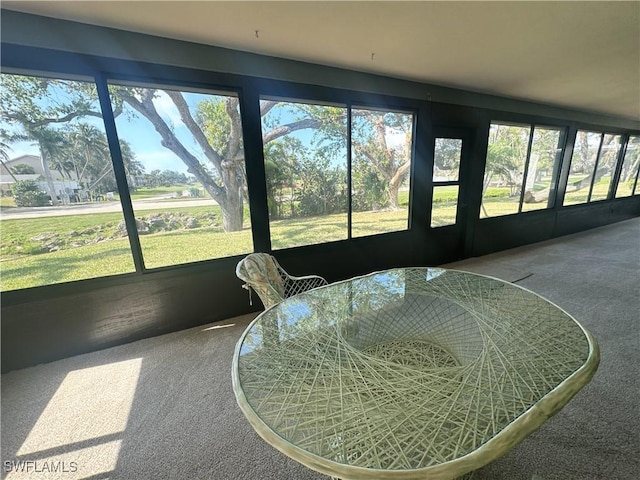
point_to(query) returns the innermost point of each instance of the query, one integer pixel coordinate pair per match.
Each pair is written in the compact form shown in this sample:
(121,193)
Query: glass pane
(188,186)
(583,161)
(506,157)
(606,166)
(546,154)
(445,205)
(447,154)
(381,144)
(305,155)
(630,166)
(61,220)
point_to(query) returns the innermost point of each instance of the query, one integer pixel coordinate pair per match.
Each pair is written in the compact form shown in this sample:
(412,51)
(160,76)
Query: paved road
(101,207)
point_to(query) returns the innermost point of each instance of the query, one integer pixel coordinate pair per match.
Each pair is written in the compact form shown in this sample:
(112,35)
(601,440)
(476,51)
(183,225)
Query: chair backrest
(261,272)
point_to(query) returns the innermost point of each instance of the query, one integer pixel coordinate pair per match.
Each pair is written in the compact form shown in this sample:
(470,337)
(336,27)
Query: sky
(146,142)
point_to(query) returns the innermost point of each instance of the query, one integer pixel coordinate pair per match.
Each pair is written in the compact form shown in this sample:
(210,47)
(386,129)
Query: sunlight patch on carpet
(90,404)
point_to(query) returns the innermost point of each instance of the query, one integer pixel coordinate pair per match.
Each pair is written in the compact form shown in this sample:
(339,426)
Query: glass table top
(417,369)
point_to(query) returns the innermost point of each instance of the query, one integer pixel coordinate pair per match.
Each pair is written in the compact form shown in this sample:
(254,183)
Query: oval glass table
(408,373)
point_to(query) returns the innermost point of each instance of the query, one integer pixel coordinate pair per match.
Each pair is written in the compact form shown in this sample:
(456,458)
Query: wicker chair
(262,273)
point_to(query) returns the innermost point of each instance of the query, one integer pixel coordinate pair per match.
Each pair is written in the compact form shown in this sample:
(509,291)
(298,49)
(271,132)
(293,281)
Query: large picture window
(305,155)
(381,150)
(326,181)
(628,182)
(61,219)
(607,161)
(593,163)
(521,169)
(186,172)
(542,168)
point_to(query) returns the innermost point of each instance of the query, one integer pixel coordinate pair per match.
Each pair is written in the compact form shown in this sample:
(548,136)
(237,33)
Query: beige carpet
(163,408)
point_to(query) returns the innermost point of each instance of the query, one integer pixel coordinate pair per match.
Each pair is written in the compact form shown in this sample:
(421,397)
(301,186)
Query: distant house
(66,189)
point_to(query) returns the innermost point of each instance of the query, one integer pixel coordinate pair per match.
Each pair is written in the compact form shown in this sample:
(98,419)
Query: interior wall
(46,323)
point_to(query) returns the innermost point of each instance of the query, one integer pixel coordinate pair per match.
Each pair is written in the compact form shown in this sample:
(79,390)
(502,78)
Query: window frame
(349,99)
(602,132)
(23,59)
(447,183)
(182,87)
(616,180)
(556,180)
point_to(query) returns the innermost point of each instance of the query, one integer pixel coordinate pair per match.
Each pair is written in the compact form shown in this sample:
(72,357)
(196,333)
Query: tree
(29,103)
(631,161)
(383,140)
(27,193)
(215,126)
(282,168)
(217,129)
(23,169)
(88,151)
(89,154)
(447,154)
(506,156)
(381,149)
(322,187)
(51,144)
(4,155)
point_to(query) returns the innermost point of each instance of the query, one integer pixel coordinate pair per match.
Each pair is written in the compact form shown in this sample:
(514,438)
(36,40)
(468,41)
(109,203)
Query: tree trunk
(232,204)
(47,176)
(394,188)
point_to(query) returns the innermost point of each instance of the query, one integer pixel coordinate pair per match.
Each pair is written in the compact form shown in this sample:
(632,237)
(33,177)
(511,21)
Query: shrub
(27,193)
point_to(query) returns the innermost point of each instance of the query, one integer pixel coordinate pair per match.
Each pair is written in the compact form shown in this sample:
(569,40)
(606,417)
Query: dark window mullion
(561,147)
(595,168)
(448,183)
(349,177)
(571,137)
(412,176)
(120,172)
(249,102)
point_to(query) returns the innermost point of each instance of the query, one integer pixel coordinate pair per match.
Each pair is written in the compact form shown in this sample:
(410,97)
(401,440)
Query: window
(328,182)
(606,167)
(446,181)
(627,184)
(594,160)
(381,151)
(506,158)
(583,162)
(305,155)
(521,170)
(185,166)
(542,169)
(61,218)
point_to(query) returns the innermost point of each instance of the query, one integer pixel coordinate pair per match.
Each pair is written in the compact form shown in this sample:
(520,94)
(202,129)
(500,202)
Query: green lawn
(504,205)
(7,202)
(600,191)
(46,250)
(148,192)
(22,266)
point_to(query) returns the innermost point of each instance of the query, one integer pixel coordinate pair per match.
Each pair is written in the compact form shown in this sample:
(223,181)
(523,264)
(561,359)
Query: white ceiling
(584,55)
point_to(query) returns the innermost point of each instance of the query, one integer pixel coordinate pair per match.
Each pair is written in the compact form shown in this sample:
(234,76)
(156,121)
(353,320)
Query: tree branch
(266,106)
(46,121)
(171,142)
(290,127)
(187,119)
(235,135)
